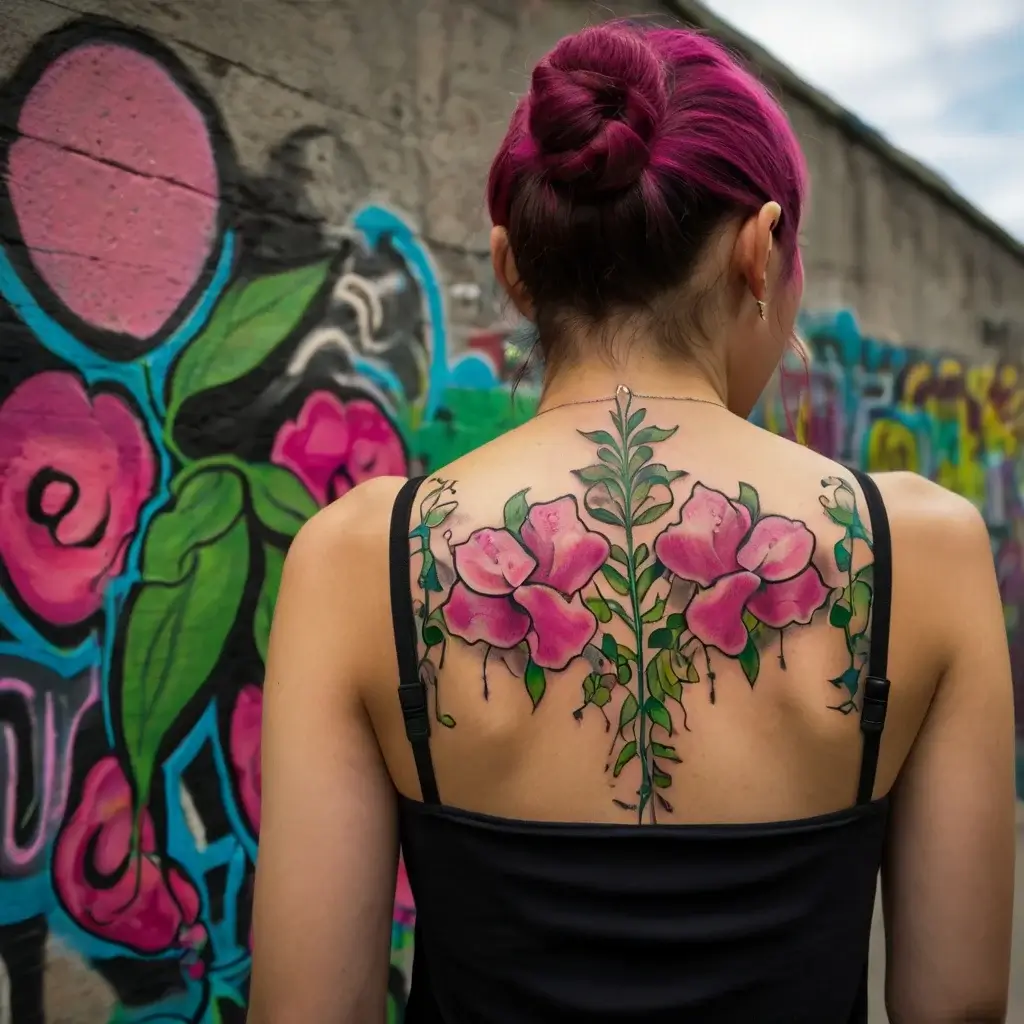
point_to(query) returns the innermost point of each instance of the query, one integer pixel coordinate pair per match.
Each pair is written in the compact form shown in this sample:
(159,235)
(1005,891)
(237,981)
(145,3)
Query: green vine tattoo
(435,508)
(626,489)
(655,596)
(851,612)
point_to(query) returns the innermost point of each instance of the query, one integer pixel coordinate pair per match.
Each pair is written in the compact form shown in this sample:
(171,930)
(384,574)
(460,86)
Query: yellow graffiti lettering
(892,446)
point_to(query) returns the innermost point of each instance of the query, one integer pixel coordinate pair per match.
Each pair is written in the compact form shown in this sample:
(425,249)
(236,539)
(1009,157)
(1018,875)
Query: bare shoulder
(337,564)
(334,599)
(353,527)
(933,515)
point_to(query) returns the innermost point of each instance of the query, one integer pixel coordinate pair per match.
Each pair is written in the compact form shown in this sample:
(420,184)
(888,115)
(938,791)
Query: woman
(618,679)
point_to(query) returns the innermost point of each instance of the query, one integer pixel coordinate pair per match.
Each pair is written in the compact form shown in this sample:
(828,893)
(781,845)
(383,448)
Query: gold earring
(761,306)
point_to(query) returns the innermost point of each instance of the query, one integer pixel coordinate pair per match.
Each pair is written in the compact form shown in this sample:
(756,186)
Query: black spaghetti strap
(412,692)
(875,701)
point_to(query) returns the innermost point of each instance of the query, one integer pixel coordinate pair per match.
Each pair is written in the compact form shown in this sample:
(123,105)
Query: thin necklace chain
(624,392)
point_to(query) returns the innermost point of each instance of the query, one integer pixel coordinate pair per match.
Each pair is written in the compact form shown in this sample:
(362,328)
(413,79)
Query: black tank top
(521,922)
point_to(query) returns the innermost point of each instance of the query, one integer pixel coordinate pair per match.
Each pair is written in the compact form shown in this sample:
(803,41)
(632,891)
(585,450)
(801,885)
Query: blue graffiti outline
(376,222)
(221,852)
(468,369)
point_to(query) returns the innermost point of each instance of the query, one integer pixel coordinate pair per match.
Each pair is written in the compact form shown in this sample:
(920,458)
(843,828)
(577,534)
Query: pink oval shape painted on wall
(114,184)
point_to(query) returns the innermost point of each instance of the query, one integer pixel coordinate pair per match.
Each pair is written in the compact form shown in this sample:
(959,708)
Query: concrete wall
(888,237)
(915,269)
(242,269)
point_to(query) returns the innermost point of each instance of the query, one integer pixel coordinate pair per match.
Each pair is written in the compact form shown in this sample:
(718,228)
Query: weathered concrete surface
(888,237)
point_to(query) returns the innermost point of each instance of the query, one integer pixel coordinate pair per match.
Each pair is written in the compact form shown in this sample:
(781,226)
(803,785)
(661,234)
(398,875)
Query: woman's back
(763,722)
(651,608)
(643,651)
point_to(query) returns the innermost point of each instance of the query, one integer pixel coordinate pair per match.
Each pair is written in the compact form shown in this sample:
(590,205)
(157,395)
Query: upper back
(652,612)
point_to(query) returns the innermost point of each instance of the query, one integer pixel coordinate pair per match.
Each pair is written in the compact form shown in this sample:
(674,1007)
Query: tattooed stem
(686,717)
(711,672)
(851,645)
(433,513)
(646,754)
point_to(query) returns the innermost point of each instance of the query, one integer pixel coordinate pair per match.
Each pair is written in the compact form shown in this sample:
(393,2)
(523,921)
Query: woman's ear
(507,273)
(753,250)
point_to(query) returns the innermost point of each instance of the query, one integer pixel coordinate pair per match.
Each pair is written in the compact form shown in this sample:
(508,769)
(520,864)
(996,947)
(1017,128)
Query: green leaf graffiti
(206,502)
(182,614)
(250,321)
(280,501)
(273,559)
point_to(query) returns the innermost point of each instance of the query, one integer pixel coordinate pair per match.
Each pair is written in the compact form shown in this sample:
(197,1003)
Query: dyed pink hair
(632,146)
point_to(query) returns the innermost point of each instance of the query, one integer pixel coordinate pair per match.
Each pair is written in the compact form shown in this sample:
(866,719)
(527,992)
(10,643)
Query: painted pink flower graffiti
(510,590)
(765,570)
(120,246)
(74,473)
(244,744)
(332,446)
(137,900)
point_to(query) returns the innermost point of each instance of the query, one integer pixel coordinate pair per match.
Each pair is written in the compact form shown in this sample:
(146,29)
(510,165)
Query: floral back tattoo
(722,579)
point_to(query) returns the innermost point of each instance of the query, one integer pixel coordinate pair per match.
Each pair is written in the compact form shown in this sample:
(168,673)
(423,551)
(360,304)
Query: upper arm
(948,877)
(325,873)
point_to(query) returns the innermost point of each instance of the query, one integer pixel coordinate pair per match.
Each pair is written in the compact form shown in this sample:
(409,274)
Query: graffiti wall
(179,391)
(174,403)
(884,407)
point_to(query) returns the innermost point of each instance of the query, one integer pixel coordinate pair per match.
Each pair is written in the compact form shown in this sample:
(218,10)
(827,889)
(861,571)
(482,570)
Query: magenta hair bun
(595,106)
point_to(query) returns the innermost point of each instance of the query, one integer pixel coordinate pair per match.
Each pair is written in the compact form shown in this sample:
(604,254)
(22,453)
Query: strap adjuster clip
(414,710)
(874,704)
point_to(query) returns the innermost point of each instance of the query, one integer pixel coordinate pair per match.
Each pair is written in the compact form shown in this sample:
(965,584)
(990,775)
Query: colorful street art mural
(176,399)
(883,407)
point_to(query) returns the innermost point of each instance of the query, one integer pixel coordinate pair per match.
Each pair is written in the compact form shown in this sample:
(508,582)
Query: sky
(941,79)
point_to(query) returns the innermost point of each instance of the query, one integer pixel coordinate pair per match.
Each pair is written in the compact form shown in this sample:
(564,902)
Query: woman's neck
(593,380)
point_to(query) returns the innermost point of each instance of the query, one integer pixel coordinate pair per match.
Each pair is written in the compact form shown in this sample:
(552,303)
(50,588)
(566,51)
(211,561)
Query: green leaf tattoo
(633,491)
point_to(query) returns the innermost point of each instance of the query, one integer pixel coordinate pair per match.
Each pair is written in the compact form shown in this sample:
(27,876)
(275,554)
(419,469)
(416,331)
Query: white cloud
(942,79)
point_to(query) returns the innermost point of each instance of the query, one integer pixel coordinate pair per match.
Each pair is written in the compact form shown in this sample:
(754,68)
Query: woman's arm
(948,877)
(325,874)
